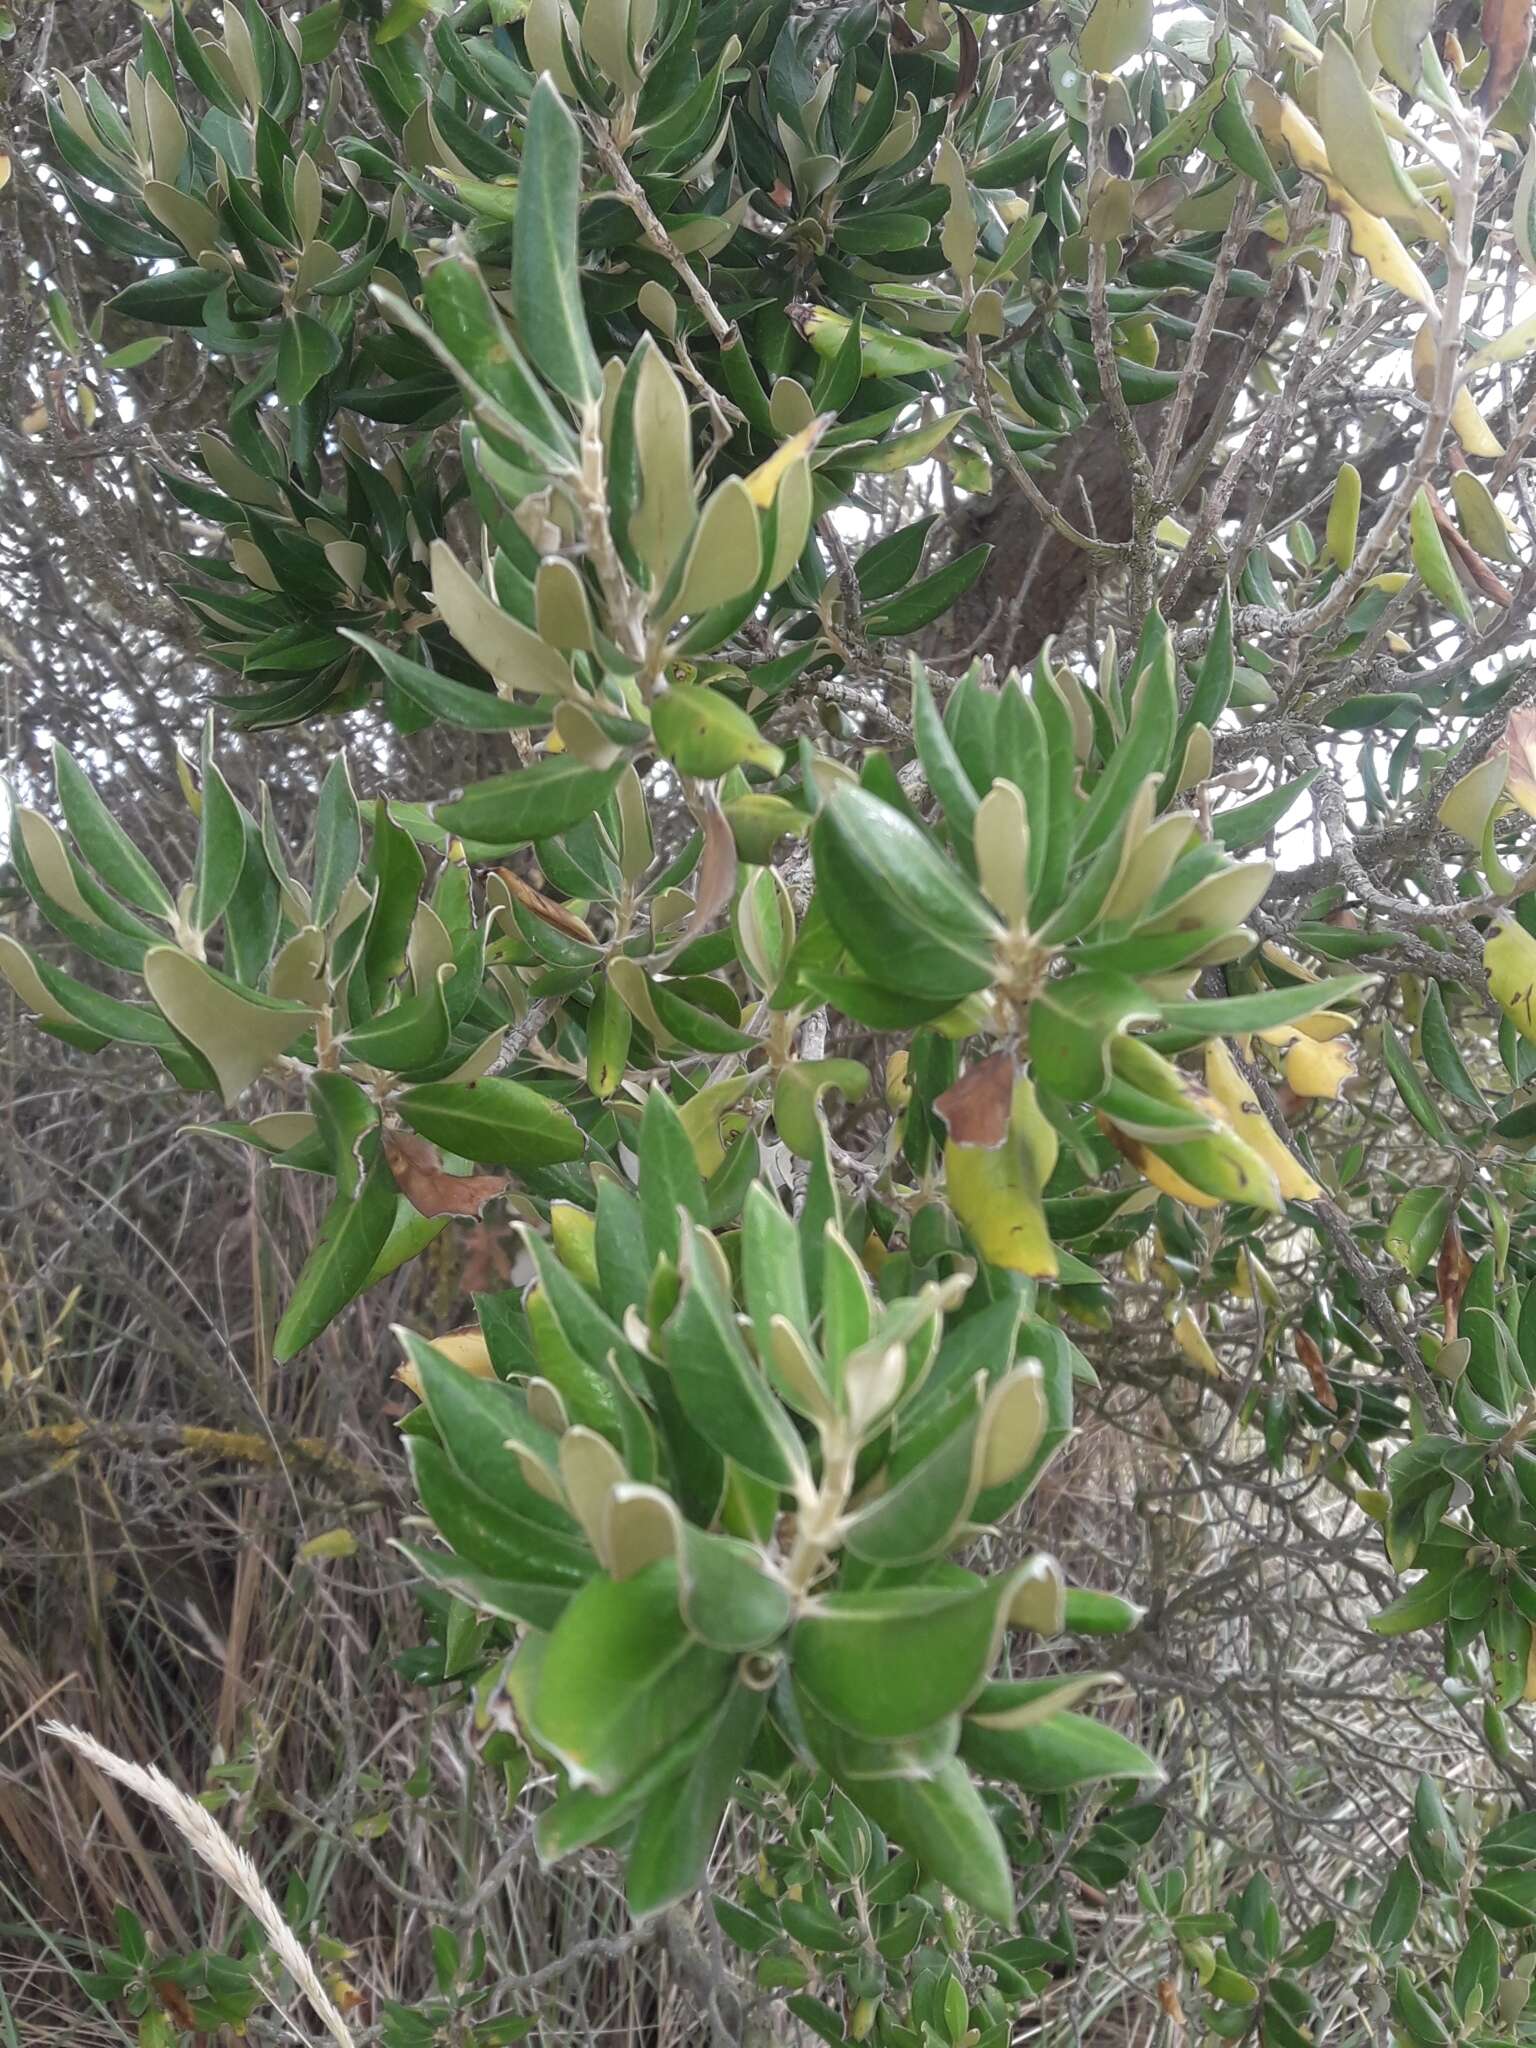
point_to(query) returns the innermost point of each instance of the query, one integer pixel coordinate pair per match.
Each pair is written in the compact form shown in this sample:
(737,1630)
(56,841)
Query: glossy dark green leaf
(338,849)
(220,850)
(454,703)
(352,1233)
(495,1121)
(907,915)
(1397,1909)
(669,1178)
(306,351)
(923,602)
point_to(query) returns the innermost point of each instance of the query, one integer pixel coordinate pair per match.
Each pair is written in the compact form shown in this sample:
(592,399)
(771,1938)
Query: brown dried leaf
(487,1261)
(1168,1999)
(1312,1359)
(976,1110)
(427,1184)
(1507,32)
(176,2005)
(544,907)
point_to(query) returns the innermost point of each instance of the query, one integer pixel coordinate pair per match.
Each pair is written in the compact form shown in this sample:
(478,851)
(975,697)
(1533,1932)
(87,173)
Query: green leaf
(1245,825)
(940,763)
(1071,1023)
(621,1678)
(442,698)
(306,350)
(1442,1055)
(1397,1909)
(469,334)
(728,1599)
(923,602)
(1063,1751)
(932,1645)
(550,795)
(907,916)
(338,849)
(919,1512)
(220,850)
(669,1178)
(773,1278)
(484,1425)
(722,1390)
(488,1535)
(351,1235)
(945,1825)
(677,1830)
(104,845)
(495,1121)
(77,1013)
(1147,744)
(1418,1226)
(546,284)
(1416,1097)
(1224,1016)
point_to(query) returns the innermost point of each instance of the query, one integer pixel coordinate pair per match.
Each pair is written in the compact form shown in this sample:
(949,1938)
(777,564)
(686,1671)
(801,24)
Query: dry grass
(157,1599)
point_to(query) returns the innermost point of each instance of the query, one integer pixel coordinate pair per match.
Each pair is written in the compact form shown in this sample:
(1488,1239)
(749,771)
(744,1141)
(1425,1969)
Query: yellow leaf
(1358,149)
(1344,515)
(763,482)
(1371,238)
(1194,1344)
(1509,956)
(1317,1069)
(1472,430)
(1471,802)
(1481,520)
(1242,1110)
(464,1348)
(996,1191)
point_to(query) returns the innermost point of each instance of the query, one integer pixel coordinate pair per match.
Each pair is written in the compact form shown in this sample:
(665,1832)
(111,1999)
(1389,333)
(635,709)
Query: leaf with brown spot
(1469,563)
(544,907)
(427,1184)
(1312,1359)
(976,1109)
(1453,1271)
(717,872)
(1507,32)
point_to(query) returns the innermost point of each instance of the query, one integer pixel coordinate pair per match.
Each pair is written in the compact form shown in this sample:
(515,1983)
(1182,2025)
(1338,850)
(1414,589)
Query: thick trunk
(1037,584)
